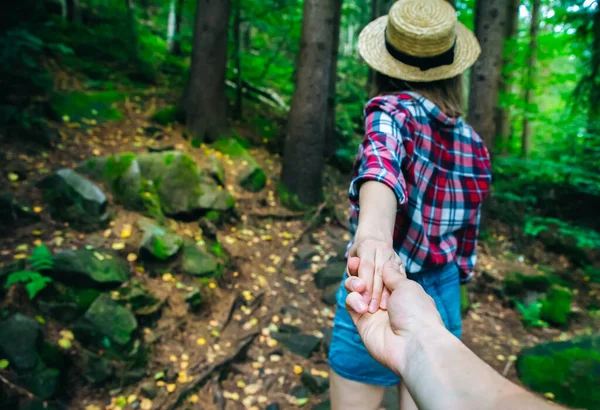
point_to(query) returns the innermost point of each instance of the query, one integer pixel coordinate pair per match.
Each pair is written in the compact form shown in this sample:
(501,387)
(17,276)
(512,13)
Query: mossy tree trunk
(303,160)
(330,134)
(237,56)
(490,21)
(530,77)
(205,102)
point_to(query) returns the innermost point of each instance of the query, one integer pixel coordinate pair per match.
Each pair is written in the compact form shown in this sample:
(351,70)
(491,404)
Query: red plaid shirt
(439,171)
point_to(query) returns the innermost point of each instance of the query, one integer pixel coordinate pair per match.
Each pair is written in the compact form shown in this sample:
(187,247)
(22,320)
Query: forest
(174,198)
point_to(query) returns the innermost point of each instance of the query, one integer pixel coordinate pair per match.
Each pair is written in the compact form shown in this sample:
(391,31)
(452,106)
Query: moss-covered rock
(13,210)
(139,299)
(106,318)
(570,370)
(157,242)
(20,339)
(557,305)
(198,262)
(165,116)
(87,106)
(90,269)
(74,199)
(251,176)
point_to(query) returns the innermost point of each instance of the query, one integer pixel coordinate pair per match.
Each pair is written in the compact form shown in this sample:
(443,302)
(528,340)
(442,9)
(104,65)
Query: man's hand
(366,259)
(410,310)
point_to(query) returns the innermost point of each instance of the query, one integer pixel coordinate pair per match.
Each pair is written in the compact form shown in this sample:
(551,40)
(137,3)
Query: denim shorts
(348,356)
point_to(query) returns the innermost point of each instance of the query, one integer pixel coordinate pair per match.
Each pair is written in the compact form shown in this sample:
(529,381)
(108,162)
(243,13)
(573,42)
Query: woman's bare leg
(404,399)
(350,395)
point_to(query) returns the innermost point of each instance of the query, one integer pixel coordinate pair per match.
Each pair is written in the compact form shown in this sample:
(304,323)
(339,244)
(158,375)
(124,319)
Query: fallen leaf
(117,246)
(93,407)
(298,369)
(201,341)
(126,231)
(131,398)
(171,387)
(12,177)
(173,358)
(4,364)
(194,398)
(132,257)
(167,277)
(252,389)
(65,343)
(67,334)
(19,256)
(146,404)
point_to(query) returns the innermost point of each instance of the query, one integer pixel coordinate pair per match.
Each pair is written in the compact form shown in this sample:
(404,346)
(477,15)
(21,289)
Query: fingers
(393,274)
(365,272)
(380,259)
(353,264)
(354,284)
(385,298)
(356,306)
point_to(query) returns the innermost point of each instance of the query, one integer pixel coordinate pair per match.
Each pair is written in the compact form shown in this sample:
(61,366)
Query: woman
(420,178)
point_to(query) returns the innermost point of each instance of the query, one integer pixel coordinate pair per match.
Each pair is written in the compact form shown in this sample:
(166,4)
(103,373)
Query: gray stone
(89,268)
(74,199)
(13,210)
(330,275)
(315,384)
(107,318)
(330,294)
(19,341)
(149,390)
(570,370)
(328,335)
(301,344)
(158,242)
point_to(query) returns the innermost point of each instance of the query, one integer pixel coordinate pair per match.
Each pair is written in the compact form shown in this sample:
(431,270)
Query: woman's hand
(367,256)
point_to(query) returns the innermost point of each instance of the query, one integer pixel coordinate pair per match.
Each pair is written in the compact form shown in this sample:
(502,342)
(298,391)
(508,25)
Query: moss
(165,116)
(557,305)
(255,180)
(117,165)
(289,200)
(169,159)
(231,147)
(87,106)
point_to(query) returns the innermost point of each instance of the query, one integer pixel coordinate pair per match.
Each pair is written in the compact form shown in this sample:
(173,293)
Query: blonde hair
(447,95)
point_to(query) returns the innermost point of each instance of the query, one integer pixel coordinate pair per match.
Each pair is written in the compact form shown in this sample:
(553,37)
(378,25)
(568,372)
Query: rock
(569,370)
(330,275)
(283,328)
(194,299)
(90,269)
(273,406)
(330,295)
(13,210)
(198,262)
(20,339)
(149,390)
(339,248)
(301,344)
(306,252)
(557,305)
(327,337)
(44,383)
(107,318)
(66,303)
(214,168)
(315,384)
(74,199)
(214,197)
(157,242)
(251,176)
(139,299)
(299,392)
(96,369)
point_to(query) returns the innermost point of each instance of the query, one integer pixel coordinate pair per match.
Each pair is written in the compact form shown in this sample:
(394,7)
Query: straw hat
(420,41)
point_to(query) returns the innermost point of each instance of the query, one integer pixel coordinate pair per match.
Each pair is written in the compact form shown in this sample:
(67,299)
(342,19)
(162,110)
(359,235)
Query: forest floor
(263,238)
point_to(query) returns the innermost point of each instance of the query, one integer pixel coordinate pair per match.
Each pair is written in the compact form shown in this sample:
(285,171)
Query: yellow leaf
(167,277)
(65,343)
(212,285)
(107,233)
(132,257)
(549,395)
(96,151)
(93,407)
(201,341)
(146,404)
(184,365)
(19,256)
(173,358)
(126,231)
(271,342)
(131,398)
(36,232)
(185,357)
(241,384)
(298,369)
(194,398)
(501,357)
(171,387)
(67,334)
(12,177)
(117,246)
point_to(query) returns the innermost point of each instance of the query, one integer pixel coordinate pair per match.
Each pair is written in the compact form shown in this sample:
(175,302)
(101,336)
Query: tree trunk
(490,21)
(72,11)
(303,160)
(593,121)
(132,27)
(503,115)
(530,76)
(206,102)
(171,25)
(237,56)
(175,44)
(330,134)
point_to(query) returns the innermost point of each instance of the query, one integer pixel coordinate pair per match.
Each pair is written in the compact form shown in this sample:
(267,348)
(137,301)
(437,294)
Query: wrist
(417,343)
(374,232)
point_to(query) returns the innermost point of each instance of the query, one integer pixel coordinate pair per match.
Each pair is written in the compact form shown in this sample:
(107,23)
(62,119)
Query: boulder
(570,370)
(198,262)
(96,369)
(20,339)
(106,318)
(157,242)
(44,383)
(301,344)
(139,299)
(314,383)
(13,210)
(557,305)
(89,269)
(214,196)
(251,176)
(329,296)
(75,199)
(214,168)
(330,275)
(149,390)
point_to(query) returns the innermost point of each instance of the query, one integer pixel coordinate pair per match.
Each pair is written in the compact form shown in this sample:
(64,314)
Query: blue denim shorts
(348,356)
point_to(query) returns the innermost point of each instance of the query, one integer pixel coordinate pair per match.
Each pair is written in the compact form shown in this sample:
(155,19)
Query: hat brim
(371,45)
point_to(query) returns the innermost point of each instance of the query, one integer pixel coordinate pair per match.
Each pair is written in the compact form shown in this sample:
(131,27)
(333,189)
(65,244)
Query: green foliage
(531,314)
(87,107)
(165,116)
(557,305)
(584,237)
(35,282)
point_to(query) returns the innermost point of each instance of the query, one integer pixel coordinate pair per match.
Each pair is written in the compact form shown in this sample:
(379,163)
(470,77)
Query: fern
(34,281)
(531,314)
(41,258)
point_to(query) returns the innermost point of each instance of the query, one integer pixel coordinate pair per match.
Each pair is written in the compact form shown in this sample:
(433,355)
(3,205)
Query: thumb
(353,264)
(393,274)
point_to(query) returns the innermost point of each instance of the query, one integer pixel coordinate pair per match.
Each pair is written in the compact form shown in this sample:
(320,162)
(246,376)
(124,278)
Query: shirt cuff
(382,176)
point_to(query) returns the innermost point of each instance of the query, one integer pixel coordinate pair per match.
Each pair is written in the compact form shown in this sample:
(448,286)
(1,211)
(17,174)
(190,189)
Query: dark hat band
(424,63)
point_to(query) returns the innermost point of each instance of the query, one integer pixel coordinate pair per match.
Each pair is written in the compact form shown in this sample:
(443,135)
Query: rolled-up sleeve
(380,155)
